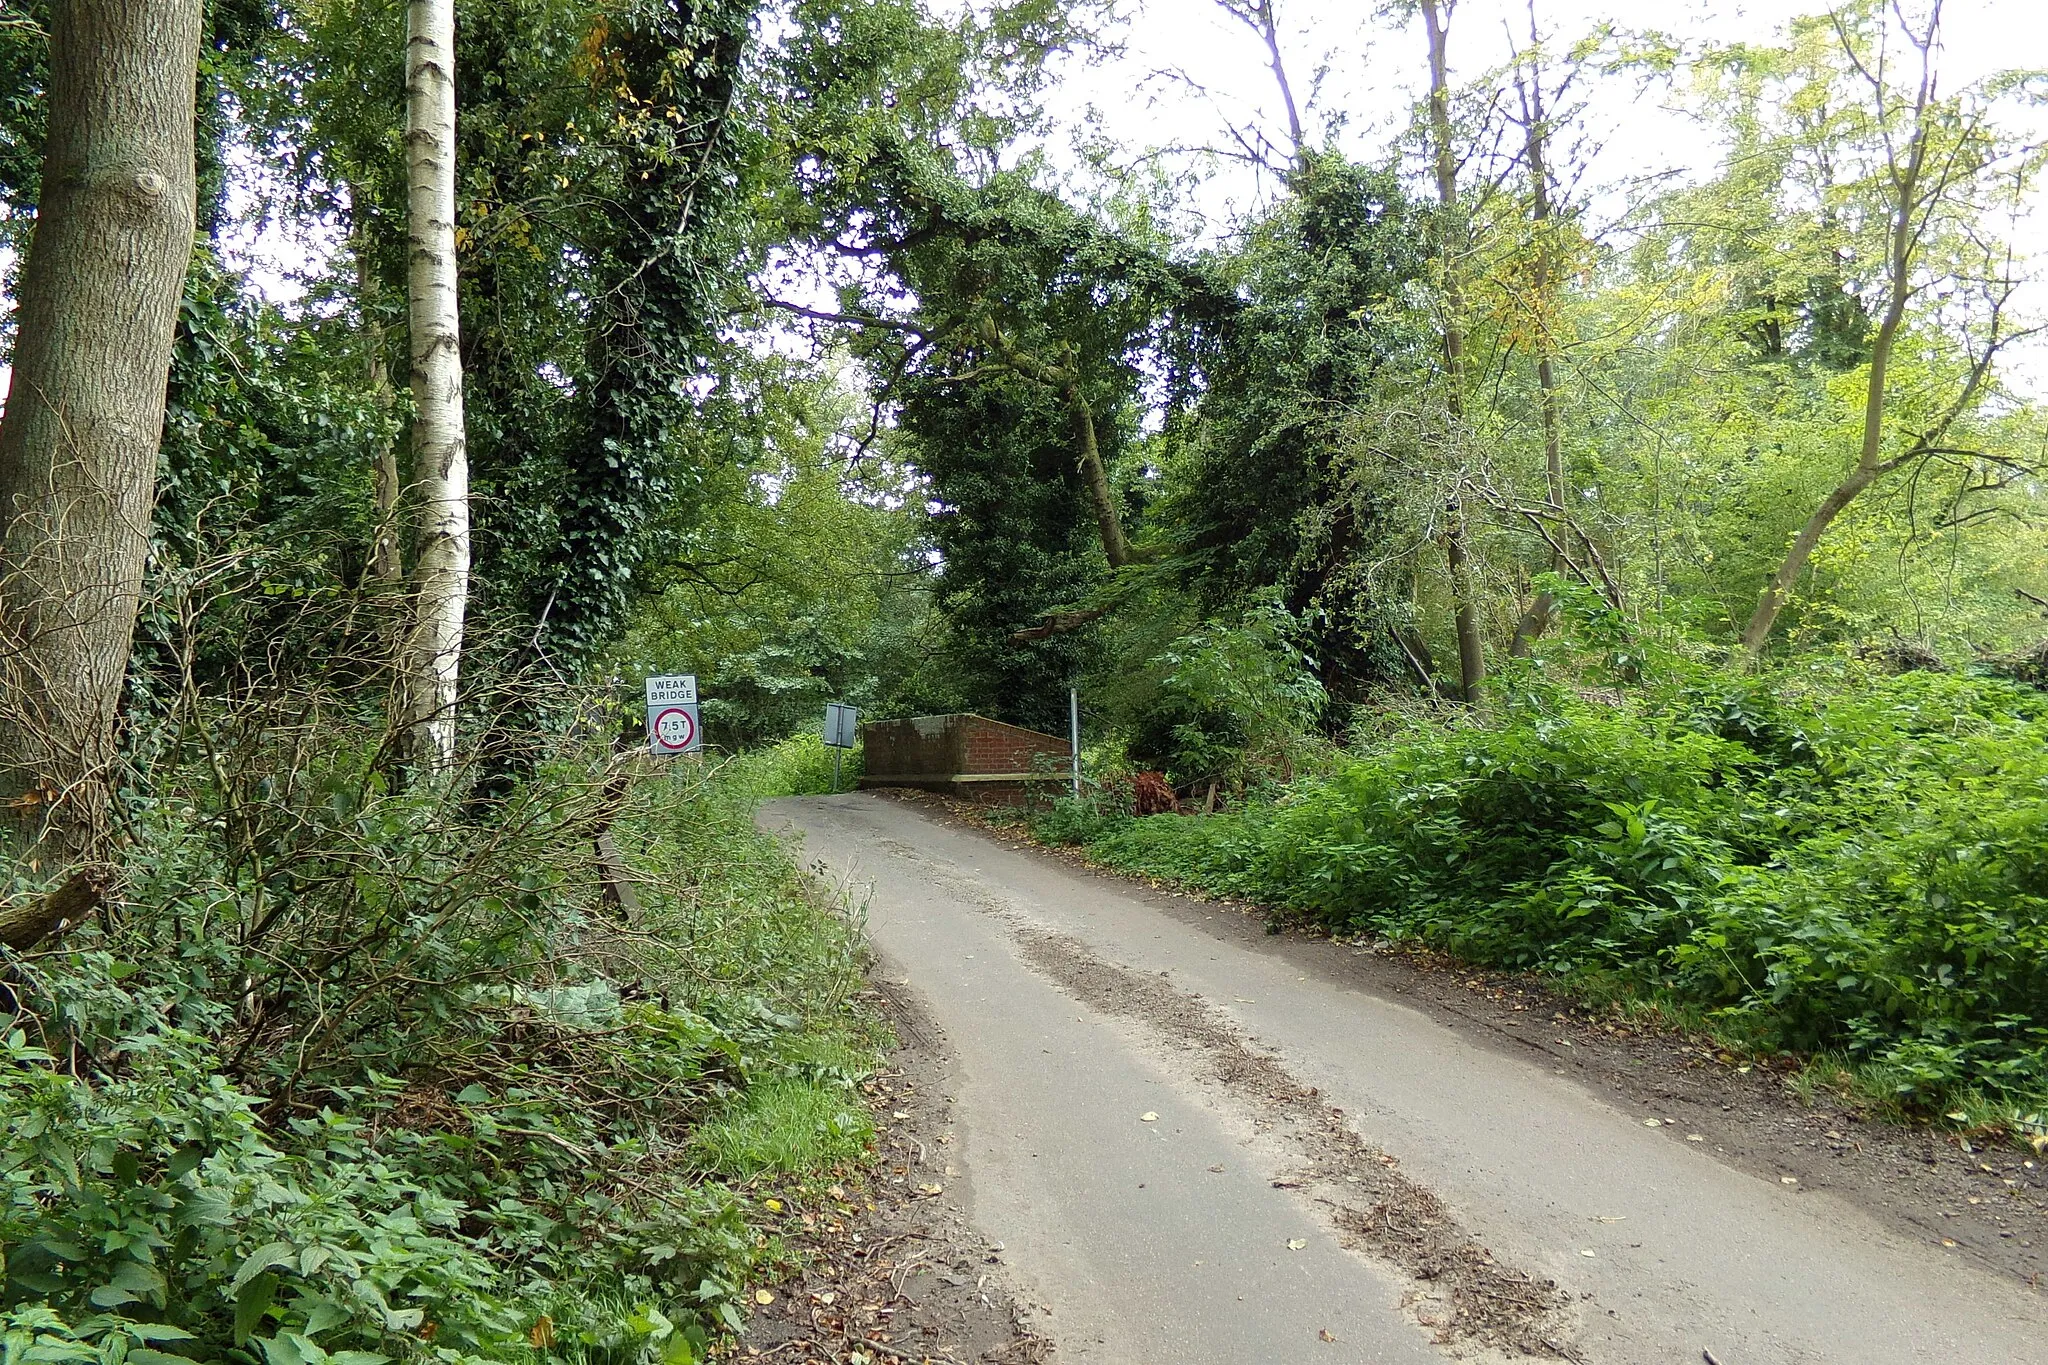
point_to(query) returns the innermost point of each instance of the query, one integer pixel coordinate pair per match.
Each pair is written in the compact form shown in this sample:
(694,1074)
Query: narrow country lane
(1196,1151)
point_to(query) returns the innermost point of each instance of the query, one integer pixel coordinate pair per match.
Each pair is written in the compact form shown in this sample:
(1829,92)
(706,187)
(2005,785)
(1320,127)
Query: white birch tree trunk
(431,654)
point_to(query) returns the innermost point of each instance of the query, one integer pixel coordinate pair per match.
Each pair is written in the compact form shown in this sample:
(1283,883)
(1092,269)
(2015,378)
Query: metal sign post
(674,725)
(842,724)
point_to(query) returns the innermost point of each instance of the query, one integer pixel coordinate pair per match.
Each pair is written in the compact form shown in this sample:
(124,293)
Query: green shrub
(1079,820)
(361,1076)
(1237,702)
(1831,860)
(798,766)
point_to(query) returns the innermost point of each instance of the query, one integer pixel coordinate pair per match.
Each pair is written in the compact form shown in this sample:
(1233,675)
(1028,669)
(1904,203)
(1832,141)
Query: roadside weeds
(888,1269)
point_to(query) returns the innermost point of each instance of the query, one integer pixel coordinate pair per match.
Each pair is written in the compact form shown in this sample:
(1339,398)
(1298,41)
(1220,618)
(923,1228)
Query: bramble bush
(358,1075)
(1825,857)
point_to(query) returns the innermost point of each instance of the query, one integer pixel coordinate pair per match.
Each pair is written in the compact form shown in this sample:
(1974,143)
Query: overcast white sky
(1373,66)
(1368,64)
(1359,69)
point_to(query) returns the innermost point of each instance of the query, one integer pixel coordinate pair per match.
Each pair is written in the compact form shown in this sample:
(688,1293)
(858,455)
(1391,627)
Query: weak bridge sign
(674,725)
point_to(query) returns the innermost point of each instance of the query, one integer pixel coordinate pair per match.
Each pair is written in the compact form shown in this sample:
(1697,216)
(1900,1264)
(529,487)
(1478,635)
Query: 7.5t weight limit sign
(673,723)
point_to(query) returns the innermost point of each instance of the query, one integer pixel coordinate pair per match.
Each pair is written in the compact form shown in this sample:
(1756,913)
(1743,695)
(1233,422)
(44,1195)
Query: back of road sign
(842,723)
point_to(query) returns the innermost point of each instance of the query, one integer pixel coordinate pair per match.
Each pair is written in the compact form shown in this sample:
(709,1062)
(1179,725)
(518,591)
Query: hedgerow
(1823,859)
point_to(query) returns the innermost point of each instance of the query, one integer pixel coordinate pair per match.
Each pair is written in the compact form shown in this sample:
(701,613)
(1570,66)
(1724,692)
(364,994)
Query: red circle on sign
(677,722)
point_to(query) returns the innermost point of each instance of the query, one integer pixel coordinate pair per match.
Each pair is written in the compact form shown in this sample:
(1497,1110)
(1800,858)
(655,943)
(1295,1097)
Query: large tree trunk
(1869,467)
(1916,193)
(1471,658)
(1444,160)
(78,445)
(1101,496)
(1906,226)
(1471,650)
(1803,545)
(432,652)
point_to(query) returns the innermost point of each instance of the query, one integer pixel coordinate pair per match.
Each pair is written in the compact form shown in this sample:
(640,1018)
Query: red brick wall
(934,750)
(920,746)
(993,747)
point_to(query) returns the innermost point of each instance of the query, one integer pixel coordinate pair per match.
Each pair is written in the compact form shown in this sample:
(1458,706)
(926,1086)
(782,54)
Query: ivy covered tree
(660,253)
(1268,486)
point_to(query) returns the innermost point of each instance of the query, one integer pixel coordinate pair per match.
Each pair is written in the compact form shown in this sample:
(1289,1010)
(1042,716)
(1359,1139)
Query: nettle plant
(148,1218)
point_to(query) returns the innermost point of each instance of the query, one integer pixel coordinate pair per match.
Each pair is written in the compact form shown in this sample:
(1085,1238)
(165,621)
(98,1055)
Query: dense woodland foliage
(1638,582)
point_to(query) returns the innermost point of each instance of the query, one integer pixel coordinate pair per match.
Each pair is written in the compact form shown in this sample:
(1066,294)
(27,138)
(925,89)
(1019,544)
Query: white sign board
(675,689)
(842,723)
(674,729)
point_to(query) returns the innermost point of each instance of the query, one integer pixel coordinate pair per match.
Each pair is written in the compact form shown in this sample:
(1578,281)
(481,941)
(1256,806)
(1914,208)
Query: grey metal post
(1074,735)
(835,769)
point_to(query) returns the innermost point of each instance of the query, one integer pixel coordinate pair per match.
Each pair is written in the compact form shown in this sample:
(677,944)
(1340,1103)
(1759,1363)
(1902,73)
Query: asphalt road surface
(1196,1149)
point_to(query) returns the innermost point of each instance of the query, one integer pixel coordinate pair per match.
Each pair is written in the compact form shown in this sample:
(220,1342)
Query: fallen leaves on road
(1296,1243)
(1482,1302)
(1148,1117)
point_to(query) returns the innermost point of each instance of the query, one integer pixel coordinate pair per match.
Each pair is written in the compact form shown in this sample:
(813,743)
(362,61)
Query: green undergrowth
(798,766)
(762,951)
(1824,861)
(791,1123)
(395,1086)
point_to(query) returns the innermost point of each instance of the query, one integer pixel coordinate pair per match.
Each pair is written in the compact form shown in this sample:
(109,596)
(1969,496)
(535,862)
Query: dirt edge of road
(1460,1293)
(1986,1204)
(892,1272)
